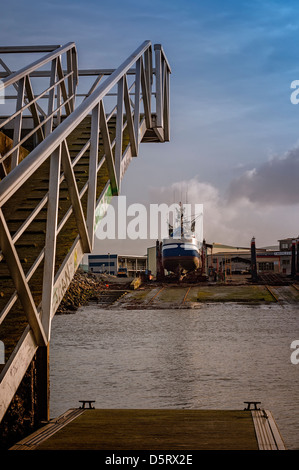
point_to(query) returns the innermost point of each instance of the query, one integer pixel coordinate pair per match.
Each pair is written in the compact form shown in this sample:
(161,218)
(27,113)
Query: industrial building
(237,260)
(228,259)
(110,264)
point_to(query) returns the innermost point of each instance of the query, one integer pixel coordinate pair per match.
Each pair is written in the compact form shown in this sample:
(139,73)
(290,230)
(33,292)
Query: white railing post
(166,119)
(119,130)
(137,102)
(51,99)
(146,97)
(51,237)
(159,93)
(92,177)
(18,123)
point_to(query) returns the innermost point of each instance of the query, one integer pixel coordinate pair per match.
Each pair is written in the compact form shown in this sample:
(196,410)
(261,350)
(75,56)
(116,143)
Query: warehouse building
(110,264)
(235,260)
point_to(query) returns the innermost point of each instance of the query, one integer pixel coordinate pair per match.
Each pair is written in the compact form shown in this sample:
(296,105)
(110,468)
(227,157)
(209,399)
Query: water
(212,357)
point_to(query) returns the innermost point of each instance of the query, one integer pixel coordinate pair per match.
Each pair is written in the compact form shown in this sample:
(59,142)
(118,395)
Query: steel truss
(50,139)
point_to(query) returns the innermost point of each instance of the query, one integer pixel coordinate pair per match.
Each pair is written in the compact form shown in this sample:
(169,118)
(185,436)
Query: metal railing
(107,142)
(60,95)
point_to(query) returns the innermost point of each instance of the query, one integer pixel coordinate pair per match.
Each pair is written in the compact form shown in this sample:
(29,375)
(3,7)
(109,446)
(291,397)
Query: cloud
(234,220)
(231,221)
(275,182)
(219,218)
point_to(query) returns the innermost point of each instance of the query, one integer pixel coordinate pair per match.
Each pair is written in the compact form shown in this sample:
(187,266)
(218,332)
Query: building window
(285,246)
(266,266)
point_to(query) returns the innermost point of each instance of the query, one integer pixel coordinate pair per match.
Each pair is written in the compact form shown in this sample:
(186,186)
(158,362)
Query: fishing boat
(181,251)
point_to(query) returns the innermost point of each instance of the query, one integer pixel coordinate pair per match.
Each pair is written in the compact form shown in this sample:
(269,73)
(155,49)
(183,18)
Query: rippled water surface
(213,357)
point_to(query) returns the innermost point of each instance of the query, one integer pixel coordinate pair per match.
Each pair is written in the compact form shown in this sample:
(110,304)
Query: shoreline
(112,292)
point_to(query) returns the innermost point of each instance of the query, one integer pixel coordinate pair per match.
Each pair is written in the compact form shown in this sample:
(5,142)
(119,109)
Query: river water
(213,357)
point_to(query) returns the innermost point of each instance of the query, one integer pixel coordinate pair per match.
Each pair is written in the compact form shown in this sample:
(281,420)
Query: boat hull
(181,255)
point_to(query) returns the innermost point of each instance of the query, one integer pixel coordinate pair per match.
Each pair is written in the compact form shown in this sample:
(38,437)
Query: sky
(234,131)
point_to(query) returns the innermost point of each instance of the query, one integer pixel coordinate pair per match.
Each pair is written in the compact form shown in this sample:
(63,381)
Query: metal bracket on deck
(87,401)
(254,403)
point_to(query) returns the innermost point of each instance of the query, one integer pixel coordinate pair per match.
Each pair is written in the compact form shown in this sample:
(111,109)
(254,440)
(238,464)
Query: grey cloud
(274,182)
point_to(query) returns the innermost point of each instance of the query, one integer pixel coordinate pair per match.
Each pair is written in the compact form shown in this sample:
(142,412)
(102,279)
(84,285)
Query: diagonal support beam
(108,150)
(146,98)
(33,108)
(95,84)
(75,198)
(60,74)
(119,129)
(137,102)
(18,124)
(49,123)
(130,123)
(22,287)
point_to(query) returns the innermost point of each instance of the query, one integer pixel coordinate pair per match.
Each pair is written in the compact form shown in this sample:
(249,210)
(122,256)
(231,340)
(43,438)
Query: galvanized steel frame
(135,115)
(62,84)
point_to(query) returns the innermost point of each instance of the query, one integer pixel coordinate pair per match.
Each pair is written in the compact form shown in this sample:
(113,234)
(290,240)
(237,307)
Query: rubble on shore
(86,287)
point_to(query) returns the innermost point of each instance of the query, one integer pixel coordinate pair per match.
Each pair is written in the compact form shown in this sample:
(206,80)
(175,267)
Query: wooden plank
(275,431)
(267,433)
(124,429)
(31,442)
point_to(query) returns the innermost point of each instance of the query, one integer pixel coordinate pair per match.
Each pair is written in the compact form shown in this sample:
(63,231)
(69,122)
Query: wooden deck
(127,429)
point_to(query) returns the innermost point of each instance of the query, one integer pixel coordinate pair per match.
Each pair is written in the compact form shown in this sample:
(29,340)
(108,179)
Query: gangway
(64,153)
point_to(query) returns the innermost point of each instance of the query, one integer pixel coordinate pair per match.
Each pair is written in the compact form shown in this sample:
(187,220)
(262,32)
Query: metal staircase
(64,153)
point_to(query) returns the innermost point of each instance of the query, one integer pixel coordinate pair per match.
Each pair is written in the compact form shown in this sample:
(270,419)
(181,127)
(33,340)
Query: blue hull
(176,257)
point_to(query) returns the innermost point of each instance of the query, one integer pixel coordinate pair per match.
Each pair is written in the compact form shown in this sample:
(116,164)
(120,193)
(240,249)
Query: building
(286,246)
(237,260)
(110,263)
(229,259)
(268,262)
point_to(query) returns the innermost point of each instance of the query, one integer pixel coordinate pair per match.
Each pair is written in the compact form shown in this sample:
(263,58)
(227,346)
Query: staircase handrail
(12,182)
(14,77)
